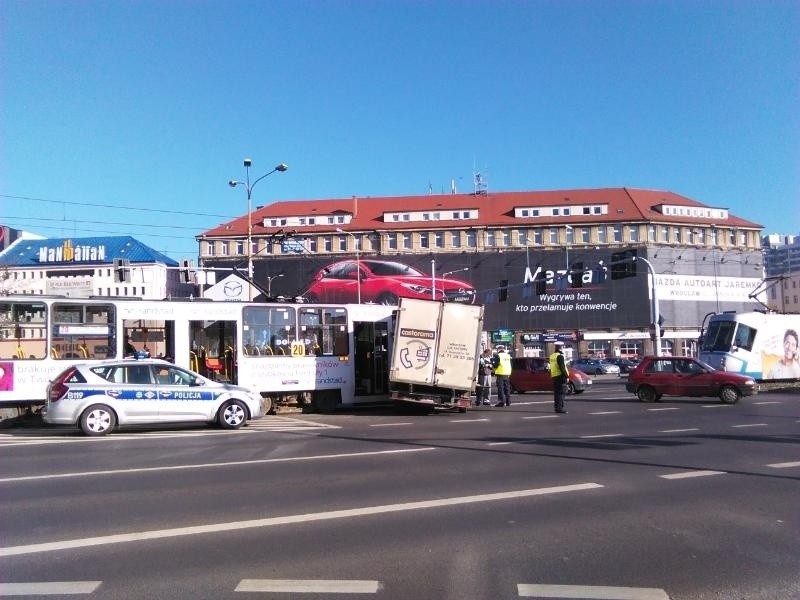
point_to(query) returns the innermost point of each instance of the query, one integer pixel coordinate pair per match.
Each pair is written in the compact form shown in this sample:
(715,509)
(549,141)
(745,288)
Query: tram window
(719,336)
(22,326)
(82,330)
(744,337)
(324,331)
(268,330)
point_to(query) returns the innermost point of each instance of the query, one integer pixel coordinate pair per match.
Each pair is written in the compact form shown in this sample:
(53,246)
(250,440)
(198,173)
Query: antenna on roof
(479,183)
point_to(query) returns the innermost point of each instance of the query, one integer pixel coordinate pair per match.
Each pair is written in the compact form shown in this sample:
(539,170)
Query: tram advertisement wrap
(519,289)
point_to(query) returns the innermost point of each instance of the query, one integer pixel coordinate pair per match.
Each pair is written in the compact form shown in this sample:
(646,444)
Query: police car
(99,396)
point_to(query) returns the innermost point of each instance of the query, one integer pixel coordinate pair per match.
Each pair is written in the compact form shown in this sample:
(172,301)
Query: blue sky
(122,117)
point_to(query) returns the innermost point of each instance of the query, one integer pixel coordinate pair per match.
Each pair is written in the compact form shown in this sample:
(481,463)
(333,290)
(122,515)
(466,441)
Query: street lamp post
(269,282)
(654,310)
(358,260)
(566,248)
(249,187)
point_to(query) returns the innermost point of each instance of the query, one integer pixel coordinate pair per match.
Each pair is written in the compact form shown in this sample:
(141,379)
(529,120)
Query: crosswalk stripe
(43,588)
(329,586)
(590,592)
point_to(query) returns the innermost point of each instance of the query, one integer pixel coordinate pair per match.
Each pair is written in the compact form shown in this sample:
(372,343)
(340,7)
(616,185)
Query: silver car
(99,396)
(594,366)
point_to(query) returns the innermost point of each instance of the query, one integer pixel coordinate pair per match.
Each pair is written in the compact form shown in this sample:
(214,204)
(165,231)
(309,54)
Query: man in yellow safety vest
(559,373)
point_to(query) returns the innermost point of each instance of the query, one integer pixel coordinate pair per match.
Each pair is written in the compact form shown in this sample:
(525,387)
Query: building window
(223,249)
(439,239)
(556,212)
(601,235)
(395,217)
(490,239)
(598,210)
(570,235)
(407,241)
(522,239)
(567,211)
(312,244)
(424,240)
(629,349)
(535,212)
(342,243)
(391,239)
(617,234)
(328,243)
(374,242)
(585,239)
(651,233)
(598,348)
(455,239)
(665,234)
(505,235)
(537,237)
(633,233)
(553,234)
(406,217)
(209,248)
(472,239)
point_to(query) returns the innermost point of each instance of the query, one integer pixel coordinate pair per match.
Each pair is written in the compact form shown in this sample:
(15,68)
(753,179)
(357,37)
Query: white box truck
(434,361)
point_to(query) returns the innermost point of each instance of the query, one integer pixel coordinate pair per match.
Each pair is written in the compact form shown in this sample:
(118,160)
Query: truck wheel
(729,394)
(267,404)
(326,401)
(98,419)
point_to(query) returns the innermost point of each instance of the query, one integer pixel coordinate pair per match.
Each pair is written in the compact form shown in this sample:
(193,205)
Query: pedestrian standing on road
(502,374)
(559,373)
(484,378)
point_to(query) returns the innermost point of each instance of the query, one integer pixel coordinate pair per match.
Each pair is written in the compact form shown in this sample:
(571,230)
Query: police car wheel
(232,415)
(98,419)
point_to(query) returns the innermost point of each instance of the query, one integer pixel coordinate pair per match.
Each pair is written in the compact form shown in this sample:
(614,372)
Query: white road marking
(389,424)
(310,586)
(499,443)
(688,474)
(716,405)
(288,520)
(542,417)
(468,420)
(768,402)
(48,588)
(606,412)
(533,402)
(214,465)
(606,435)
(662,409)
(750,425)
(590,592)
(679,430)
(786,465)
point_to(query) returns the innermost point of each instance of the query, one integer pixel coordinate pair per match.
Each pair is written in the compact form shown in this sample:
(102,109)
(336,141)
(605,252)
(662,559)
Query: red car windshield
(389,269)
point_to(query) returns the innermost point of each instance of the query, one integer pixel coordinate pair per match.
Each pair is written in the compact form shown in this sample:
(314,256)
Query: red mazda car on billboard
(382,282)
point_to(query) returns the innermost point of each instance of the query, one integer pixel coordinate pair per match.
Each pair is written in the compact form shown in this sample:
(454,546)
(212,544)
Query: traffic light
(540,284)
(576,274)
(185,272)
(623,264)
(122,270)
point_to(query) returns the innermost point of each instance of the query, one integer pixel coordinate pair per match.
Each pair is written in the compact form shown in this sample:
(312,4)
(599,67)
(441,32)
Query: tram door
(371,357)
(213,349)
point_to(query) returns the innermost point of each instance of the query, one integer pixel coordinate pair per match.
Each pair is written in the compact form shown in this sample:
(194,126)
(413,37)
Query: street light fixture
(249,187)
(358,261)
(269,282)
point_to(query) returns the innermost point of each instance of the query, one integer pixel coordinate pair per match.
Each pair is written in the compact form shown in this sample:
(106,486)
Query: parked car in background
(532,374)
(99,396)
(594,366)
(383,282)
(625,365)
(658,376)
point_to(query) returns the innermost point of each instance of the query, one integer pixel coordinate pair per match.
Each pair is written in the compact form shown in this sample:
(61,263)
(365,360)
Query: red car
(532,374)
(382,282)
(658,376)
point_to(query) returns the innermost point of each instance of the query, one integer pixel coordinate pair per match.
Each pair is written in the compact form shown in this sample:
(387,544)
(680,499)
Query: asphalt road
(685,499)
